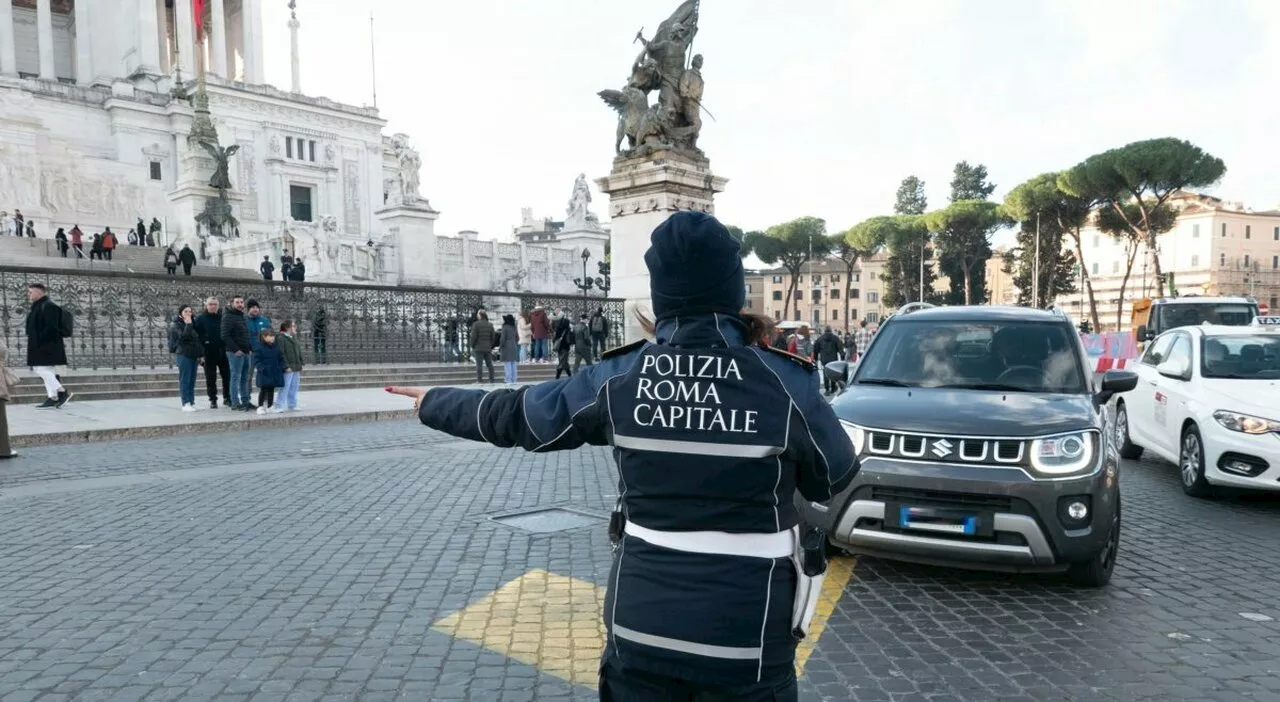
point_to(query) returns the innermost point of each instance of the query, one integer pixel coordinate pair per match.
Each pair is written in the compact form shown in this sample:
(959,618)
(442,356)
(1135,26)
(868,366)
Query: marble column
(259,74)
(149,37)
(8,51)
(44,34)
(249,41)
(185,24)
(218,38)
(294,69)
(84,43)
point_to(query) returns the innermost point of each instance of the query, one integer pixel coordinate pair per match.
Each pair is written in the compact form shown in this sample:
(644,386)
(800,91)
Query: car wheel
(1096,572)
(1128,449)
(1191,464)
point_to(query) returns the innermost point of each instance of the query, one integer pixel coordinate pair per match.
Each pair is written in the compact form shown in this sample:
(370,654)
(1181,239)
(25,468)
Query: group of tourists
(523,338)
(101,244)
(243,346)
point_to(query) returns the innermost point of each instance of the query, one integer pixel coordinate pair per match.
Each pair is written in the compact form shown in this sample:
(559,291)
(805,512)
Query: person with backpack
(48,326)
(170,259)
(599,332)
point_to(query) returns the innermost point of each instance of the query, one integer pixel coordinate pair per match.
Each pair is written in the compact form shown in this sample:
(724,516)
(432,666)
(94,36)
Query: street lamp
(585,283)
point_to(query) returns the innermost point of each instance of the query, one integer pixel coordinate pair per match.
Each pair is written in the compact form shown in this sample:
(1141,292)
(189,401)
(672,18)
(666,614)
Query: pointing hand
(416,393)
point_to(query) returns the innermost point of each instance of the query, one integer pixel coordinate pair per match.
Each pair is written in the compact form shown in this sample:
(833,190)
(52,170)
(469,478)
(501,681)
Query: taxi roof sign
(1272,323)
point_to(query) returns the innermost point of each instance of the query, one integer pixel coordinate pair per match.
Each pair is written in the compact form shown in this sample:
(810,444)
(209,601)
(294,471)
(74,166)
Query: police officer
(713,580)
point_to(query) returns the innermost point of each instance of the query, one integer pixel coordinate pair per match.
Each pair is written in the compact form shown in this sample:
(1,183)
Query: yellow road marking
(555,623)
(551,622)
(839,572)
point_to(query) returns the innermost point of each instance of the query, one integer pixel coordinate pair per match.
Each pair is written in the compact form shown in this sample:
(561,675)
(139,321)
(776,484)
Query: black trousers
(637,686)
(213,365)
(483,358)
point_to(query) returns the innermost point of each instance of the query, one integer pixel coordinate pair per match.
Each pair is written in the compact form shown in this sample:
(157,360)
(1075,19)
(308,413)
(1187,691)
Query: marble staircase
(43,253)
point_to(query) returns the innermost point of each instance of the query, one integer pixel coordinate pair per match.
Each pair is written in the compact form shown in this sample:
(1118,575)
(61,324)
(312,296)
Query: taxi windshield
(1000,356)
(1246,357)
(1233,314)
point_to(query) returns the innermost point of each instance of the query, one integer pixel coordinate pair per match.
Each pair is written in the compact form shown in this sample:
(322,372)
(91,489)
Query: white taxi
(1208,399)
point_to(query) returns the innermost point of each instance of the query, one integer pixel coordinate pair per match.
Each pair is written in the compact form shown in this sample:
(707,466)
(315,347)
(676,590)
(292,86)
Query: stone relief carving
(330,154)
(351,195)
(274,145)
(248,175)
(17,186)
(66,192)
(289,115)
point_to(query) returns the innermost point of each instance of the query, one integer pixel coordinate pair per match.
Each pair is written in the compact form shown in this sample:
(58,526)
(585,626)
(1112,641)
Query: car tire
(1191,464)
(1128,449)
(1096,572)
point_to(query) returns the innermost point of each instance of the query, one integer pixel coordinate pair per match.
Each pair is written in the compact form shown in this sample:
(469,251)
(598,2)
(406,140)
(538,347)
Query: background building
(820,297)
(1216,247)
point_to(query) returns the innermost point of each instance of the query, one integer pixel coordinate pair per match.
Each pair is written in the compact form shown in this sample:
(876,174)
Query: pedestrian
(298,273)
(705,599)
(524,334)
(827,349)
(188,351)
(564,344)
(8,223)
(19,223)
(8,383)
(257,322)
(581,342)
(509,348)
(142,231)
(861,340)
(236,341)
(48,328)
(268,366)
(95,249)
(170,258)
(132,237)
(267,268)
(31,229)
(77,241)
(187,257)
(540,330)
(561,327)
(109,243)
(483,338)
(209,327)
(292,366)
(61,238)
(319,334)
(599,332)
(154,234)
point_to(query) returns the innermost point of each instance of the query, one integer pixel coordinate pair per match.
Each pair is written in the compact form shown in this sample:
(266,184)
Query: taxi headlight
(856,434)
(1245,423)
(1065,454)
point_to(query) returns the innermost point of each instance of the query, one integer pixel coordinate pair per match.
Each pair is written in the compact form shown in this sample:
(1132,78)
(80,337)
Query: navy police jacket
(710,434)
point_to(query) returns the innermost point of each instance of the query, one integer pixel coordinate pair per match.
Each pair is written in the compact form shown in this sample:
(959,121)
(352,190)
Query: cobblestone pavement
(361,562)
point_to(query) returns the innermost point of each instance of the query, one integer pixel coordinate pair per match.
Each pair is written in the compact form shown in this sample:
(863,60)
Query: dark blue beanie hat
(694,267)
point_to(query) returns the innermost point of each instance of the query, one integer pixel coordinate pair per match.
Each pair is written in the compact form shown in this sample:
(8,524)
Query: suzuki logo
(942,448)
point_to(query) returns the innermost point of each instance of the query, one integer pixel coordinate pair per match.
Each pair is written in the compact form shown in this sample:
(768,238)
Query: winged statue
(221,179)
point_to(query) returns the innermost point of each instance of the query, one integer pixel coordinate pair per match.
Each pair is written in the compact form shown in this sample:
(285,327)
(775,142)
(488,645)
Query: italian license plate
(938,520)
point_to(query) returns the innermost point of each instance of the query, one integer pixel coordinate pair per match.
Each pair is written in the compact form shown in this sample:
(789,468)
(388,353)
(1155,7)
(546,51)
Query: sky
(820,107)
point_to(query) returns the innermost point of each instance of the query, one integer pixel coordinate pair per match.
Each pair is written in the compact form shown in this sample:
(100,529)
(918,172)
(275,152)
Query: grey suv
(983,444)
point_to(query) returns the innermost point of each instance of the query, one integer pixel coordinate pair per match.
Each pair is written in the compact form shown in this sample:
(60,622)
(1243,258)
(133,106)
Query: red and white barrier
(1106,363)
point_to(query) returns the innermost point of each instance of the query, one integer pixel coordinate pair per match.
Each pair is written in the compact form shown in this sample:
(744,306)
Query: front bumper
(1022,528)
(1258,449)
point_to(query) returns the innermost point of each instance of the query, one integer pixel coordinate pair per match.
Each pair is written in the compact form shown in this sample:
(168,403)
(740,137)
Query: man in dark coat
(45,346)
(483,339)
(827,349)
(209,326)
(187,258)
(235,337)
(267,268)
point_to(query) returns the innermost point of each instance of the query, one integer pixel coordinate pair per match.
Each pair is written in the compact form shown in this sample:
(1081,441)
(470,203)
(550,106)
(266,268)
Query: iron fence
(122,320)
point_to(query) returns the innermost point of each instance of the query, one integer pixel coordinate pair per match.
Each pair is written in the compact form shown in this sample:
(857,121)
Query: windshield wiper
(984,386)
(884,381)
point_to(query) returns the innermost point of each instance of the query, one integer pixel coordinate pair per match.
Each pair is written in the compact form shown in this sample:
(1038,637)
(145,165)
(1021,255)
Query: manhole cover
(547,520)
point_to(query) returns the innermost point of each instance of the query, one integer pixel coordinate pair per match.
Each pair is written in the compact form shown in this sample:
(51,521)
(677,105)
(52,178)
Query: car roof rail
(1058,311)
(914,306)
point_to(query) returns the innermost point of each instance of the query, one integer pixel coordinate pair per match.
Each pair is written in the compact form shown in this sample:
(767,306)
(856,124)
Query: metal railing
(122,320)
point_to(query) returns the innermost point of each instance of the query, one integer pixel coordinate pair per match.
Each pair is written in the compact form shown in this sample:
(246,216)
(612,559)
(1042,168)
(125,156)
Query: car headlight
(856,434)
(1062,455)
(1245,423)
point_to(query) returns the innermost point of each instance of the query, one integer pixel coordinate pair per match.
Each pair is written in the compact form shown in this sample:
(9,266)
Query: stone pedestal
(412,228)
(643,192)
(189,197)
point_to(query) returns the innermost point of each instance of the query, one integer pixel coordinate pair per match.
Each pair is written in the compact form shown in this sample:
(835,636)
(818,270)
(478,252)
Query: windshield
(1232,314)
(1244,357)
(1013,356)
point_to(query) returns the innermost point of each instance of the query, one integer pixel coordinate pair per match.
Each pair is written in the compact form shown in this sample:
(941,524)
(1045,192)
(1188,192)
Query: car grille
(947,449)
(934,498)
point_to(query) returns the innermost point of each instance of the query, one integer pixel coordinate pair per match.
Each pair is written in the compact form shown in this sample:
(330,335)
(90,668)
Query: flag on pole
(197,7)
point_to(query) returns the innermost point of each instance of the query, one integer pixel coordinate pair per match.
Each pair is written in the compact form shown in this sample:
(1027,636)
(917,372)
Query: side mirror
(1145,334)
(1115,382)
(1176,368)
(837,371)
